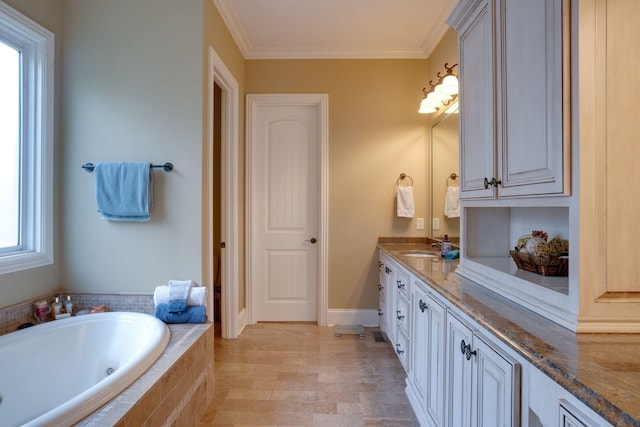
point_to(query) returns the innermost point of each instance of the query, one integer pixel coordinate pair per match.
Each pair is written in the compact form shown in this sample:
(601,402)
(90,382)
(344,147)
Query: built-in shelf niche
(488,235)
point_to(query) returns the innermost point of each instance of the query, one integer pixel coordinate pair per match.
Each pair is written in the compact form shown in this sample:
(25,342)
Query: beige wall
(375,133)
(29,284)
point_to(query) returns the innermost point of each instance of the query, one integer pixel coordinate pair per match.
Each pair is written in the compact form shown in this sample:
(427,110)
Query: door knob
(312,240)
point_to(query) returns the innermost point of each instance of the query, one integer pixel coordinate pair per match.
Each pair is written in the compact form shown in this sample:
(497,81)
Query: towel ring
(402,177)
(453,176)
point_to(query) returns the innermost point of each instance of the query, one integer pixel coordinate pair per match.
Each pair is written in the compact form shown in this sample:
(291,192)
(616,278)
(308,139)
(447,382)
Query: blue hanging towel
(124,190)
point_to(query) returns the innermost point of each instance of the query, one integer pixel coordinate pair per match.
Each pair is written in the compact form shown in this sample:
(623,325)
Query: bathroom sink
(419,254)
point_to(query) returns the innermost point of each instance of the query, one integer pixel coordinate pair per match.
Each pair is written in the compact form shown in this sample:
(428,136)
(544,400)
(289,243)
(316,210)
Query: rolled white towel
(197,295)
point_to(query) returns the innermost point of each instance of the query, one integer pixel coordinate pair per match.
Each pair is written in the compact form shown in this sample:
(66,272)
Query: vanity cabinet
(551,405)
(428,355)
(401,317)
(483,383)
(456,376)
(382,290)
(512,139)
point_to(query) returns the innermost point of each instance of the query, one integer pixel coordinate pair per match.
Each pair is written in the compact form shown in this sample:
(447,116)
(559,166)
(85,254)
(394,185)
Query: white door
(285,147)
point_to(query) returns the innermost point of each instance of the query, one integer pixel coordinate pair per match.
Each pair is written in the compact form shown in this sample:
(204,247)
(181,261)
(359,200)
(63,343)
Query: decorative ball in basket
(548,258)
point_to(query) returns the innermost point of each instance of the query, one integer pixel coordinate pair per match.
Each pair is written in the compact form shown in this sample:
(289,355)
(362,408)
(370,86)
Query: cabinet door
(390,291)
(459,373)
(382,284)
(420,342)
(495,401)
(529,36)
(435,401)
(477,124)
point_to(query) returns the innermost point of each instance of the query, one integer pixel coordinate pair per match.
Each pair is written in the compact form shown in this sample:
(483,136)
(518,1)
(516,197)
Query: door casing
(321,101)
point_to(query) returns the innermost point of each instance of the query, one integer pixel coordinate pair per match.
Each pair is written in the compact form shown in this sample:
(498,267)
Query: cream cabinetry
(456,376)
(551,405)
(514,145)
(511,98)
(482,382)
(535,76)
(383,270)
(427,355)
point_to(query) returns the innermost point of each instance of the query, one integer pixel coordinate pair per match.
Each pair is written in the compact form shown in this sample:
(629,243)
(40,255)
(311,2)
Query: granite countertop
(601,370)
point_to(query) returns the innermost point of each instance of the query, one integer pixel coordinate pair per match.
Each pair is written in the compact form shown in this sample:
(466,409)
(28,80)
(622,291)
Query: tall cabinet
(548,141)
(515,155)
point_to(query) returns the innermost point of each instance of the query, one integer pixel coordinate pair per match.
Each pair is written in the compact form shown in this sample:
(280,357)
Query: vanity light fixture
(441,93)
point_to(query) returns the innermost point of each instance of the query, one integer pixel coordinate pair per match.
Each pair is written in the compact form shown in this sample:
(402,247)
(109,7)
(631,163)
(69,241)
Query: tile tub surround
(14,315)
(601,370)
(175,391)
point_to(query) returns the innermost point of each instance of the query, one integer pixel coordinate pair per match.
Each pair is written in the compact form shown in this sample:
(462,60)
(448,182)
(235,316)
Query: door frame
(231,318)
(321,101)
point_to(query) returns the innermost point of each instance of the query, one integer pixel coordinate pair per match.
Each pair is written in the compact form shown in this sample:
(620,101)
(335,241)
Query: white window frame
(36,45)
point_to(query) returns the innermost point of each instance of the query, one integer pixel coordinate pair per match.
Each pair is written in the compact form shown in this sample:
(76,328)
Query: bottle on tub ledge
(68,305)
(57,310)
(445,247)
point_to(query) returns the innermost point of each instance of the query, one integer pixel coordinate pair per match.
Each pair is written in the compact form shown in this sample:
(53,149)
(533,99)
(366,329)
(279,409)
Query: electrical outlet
(435,224)
(419,223)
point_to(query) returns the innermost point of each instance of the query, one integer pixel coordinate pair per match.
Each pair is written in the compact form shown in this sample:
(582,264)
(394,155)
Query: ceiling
(336,28)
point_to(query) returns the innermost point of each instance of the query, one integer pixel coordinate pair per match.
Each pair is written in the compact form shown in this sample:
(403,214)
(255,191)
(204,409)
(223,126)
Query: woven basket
(553,265)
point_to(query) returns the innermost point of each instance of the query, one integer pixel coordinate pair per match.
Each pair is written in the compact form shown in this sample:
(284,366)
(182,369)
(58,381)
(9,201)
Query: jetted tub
(59,372)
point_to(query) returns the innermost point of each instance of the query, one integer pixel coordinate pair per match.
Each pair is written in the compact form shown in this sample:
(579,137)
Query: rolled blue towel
(193,314)
(452,254)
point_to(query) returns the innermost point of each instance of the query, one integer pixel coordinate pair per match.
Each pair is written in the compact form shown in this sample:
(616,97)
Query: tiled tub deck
(175,391)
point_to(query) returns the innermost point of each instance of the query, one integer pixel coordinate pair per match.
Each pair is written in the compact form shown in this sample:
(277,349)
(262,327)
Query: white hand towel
(405,202)
(197,295)
(452,202)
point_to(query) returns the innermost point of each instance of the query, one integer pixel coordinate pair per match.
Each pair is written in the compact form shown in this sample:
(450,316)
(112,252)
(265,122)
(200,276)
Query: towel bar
(167,167)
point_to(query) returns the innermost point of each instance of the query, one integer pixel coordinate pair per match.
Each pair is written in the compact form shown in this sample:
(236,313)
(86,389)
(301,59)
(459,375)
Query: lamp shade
(426,107)
(450,85)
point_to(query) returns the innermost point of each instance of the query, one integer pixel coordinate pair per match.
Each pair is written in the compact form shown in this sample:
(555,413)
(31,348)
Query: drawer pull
(380,287)
(422,305)
(380,313)
(493,183)
(466,350)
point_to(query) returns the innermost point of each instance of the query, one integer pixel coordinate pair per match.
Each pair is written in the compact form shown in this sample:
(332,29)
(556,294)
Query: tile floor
(297,374)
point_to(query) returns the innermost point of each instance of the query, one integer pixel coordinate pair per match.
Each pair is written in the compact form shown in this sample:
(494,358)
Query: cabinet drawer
(402,348)
(402,315)
(402,283)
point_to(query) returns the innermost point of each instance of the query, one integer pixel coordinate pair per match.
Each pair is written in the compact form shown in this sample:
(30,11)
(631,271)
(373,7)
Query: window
(26,142)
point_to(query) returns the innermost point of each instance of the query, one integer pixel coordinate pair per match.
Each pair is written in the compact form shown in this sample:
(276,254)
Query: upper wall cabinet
(514,131)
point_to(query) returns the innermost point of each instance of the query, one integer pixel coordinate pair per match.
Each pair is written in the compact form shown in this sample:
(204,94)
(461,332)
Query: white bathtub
(59,372)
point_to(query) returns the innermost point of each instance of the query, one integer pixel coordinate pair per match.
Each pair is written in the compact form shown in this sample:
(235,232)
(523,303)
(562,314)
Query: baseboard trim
(367,318)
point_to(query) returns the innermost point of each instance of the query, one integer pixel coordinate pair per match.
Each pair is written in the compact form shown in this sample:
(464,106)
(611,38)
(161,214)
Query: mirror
(444,163)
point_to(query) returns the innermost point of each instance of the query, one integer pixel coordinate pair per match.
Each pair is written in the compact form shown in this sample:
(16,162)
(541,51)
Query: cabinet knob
(398,349)
(493,182)
(422,305)
(466,350)
(380,287)
(380,313)
(400,317)
(400,284)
